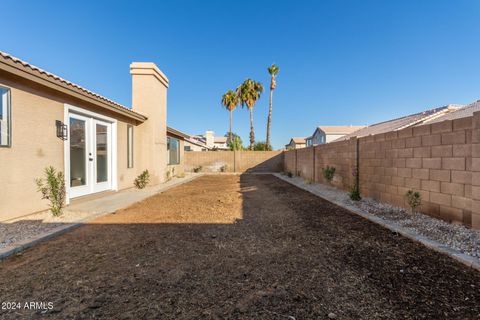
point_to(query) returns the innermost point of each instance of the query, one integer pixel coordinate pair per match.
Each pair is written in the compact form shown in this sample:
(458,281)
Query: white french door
(90,155)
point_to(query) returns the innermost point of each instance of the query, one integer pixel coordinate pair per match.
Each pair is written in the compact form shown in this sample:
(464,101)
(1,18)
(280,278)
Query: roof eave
(12,68)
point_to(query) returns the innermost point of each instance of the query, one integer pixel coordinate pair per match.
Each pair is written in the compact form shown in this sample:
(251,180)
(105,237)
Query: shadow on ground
(237,247)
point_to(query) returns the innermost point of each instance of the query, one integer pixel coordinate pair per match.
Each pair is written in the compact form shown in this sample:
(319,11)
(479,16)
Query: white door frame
(66,146)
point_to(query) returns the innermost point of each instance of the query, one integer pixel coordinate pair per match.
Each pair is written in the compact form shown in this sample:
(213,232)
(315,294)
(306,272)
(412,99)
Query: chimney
(149,97)
(209,138)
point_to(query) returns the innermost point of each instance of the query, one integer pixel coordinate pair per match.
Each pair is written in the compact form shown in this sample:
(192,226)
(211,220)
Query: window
(5,121)
(129,146)
(187,148)
(173,148)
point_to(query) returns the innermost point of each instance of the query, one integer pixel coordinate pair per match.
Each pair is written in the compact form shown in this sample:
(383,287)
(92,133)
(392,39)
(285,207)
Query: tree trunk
(269,120)
(231,141)
(252,133)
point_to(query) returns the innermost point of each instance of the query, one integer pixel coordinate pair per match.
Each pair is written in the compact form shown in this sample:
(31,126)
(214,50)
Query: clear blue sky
(341,62)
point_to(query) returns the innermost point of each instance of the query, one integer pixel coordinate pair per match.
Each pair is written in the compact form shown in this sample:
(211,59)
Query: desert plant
(262,146)
(236,143)
(354,193)
(328,173)
(52,188)
(289,174)
(223,168)
(273,71)
(142,180)
(230,100)
(197,169)
(249,92)
(414,200)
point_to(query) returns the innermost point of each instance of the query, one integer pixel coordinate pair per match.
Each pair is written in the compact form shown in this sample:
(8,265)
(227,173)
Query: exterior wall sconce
(61,130)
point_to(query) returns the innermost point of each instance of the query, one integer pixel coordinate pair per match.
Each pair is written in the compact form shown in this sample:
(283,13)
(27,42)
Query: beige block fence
(440,160)
(234,161)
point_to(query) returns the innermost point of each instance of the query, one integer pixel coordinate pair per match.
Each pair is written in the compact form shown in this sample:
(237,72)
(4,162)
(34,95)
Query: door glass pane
(102,153)
(78,172)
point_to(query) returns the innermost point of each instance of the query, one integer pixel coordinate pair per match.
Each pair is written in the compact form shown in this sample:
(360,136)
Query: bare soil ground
(237,247)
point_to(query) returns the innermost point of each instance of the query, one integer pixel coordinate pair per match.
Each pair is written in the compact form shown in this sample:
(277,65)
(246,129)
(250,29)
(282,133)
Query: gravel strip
(454,236)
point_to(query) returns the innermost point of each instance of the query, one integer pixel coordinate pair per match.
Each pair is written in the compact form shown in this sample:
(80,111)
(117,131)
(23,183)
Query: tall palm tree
(273,71)
(230,100)
(249,92)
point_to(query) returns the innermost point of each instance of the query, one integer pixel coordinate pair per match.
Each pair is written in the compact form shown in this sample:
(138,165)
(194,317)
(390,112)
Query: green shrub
(52,189)
(289,174)
(354,193)
(223,168)
(328,173)
(414,199)
(142,180)
(197,169)
(262,146)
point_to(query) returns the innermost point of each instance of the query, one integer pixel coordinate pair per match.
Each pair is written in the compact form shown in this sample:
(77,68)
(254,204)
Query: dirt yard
(237,247)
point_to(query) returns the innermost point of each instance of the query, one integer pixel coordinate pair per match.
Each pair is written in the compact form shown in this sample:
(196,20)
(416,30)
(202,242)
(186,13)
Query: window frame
(9,118)
(169,161)
(130,146)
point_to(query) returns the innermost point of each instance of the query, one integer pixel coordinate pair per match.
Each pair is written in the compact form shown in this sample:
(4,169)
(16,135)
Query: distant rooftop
(466,111)
(340,129)
(404,122)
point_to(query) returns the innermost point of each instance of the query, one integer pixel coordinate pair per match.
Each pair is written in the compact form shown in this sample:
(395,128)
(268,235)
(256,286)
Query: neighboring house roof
(298,140)
(339,129)
(220,139)
(25,70)
(177,133)
(197,143)
(401,123)
(466,111)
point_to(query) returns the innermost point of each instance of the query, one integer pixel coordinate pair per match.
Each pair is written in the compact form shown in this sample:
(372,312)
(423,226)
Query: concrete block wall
(234,161)
(433,159)
(309,163)
(341,155)
(440,160)
(475,173)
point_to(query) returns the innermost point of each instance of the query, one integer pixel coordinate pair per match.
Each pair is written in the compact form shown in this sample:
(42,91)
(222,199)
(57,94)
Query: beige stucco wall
(149,97)
(34,146)
(35,108)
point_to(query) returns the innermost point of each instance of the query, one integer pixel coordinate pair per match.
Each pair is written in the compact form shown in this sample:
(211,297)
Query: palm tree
(230,100)
(249,92)
(273,71)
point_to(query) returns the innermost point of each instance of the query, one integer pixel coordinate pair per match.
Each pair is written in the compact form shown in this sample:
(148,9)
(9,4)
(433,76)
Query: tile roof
(298,140)
(401,123)
(466,111)
(31,69)
(340,129)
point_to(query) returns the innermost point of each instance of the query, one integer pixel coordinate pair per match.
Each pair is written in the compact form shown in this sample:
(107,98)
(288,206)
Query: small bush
(328,173)
(289,174)
(414,200)
(142,180)
(52,189)
(197,169)
(354,193)
(223,168)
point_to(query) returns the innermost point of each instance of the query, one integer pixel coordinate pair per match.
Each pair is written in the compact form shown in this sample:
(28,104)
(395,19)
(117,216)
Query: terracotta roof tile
(25,65)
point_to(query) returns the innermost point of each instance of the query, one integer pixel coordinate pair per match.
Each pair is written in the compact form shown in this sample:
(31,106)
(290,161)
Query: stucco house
(296,143)
(326,134)
(207,141)
(99,144)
